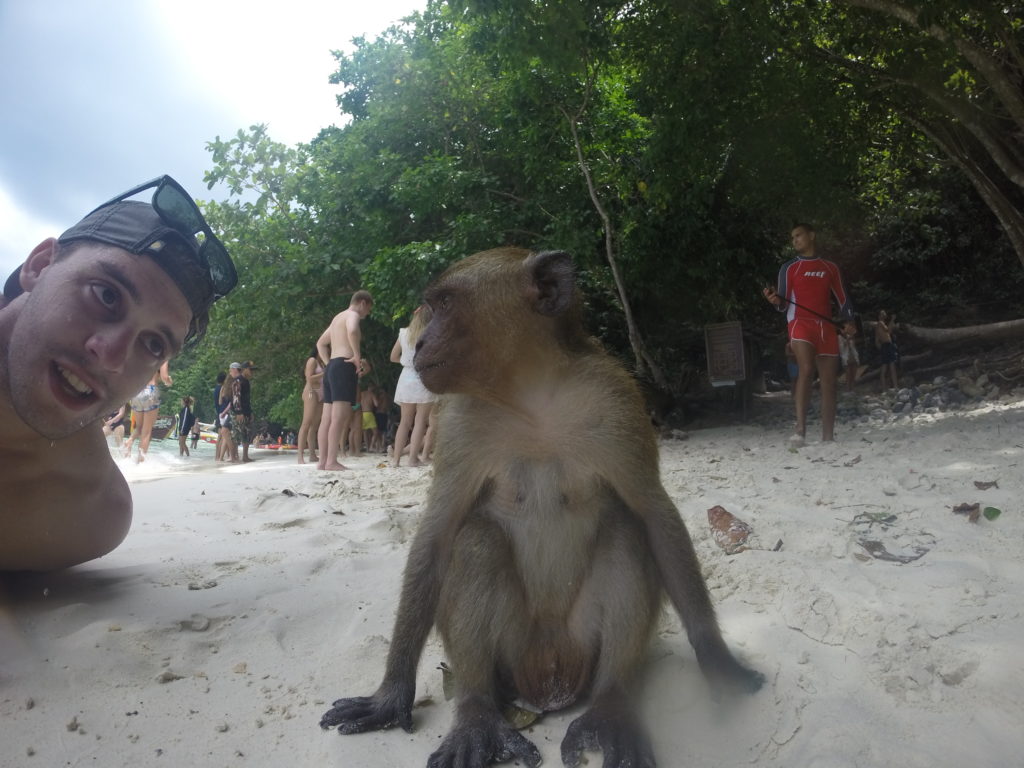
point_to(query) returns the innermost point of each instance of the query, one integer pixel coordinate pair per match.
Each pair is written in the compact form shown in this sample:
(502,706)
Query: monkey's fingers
(740,679)
(516,746)
(621,739)
(365,713)
(476,746)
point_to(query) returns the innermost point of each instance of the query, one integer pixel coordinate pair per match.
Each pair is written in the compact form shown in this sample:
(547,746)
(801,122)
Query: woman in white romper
(416,400)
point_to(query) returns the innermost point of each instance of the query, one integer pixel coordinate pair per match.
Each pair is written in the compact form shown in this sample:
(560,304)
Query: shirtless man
(806,287)
(887,349)
(339,344)
(85,322)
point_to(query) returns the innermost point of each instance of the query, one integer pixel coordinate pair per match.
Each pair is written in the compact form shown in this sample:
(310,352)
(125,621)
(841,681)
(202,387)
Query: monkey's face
(492,313)
(443,349)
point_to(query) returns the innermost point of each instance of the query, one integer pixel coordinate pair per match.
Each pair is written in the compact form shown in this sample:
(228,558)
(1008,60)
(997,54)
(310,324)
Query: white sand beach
(247,598)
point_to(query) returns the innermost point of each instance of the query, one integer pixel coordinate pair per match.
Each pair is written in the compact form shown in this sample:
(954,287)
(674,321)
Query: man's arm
(774,296)
(841,296)
(323,345)
(73,505)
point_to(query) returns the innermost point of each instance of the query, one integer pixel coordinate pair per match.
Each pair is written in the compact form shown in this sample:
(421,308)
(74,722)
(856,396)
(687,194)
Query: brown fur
(548,541)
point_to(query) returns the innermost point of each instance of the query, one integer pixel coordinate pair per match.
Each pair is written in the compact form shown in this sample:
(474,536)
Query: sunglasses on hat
(178,210)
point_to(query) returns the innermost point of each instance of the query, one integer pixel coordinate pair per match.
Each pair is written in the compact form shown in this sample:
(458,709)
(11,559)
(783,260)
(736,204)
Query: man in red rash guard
(806,287)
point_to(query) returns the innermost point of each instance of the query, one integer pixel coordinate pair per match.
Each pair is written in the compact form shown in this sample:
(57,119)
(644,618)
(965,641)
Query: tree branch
(990,68)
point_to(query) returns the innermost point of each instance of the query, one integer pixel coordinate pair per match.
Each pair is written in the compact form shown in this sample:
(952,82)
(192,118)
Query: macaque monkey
(548,538)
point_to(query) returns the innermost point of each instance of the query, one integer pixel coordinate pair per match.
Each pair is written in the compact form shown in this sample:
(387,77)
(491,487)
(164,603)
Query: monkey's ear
(552,281)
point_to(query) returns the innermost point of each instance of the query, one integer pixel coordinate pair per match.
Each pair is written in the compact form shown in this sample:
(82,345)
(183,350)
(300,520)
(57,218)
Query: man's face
(363,309)
(93,329)
(247,372)
(803,239)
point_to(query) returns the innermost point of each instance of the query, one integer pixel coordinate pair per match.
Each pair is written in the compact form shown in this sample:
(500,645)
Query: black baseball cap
(137,228)
(165,230)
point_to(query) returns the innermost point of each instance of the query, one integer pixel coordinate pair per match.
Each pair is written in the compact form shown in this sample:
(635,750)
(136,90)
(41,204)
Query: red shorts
(816,332)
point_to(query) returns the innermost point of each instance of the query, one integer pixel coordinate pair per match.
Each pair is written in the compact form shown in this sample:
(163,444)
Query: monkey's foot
(370,713)
(724,673)
(731,677)
(745,680)
(481,739)
(615,732)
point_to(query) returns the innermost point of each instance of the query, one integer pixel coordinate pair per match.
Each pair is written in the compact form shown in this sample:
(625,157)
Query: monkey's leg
(621,598)
(481,606)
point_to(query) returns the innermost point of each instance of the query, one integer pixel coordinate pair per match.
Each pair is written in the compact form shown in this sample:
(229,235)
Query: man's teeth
(76,383)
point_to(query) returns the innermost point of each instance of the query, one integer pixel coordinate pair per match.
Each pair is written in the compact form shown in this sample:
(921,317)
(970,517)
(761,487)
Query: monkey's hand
(483,737)
(615,731)
(389,706)
(725,674)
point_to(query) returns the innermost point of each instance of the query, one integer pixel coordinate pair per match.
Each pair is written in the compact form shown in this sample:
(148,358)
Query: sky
(97,96)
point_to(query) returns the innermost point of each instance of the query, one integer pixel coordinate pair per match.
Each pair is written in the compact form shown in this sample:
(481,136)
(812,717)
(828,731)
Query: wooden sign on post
(726,360)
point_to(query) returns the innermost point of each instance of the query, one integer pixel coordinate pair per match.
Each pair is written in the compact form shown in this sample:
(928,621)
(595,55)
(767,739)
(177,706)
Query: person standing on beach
(222,421)
(368,409)
(887,349)
(241,406)
(415,400)
(850,359)
(806,287)
(339,345)
(186,418)
(85,322)
(312,405)
(146,410)
(114,426)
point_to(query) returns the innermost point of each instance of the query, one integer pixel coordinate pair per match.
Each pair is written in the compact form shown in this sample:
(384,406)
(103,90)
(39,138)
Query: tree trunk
(1009,330)
(644,361)
(959,148)
(992,70)
(991,333)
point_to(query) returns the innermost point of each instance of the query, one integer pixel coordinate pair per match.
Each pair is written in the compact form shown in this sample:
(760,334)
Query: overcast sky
(100,95)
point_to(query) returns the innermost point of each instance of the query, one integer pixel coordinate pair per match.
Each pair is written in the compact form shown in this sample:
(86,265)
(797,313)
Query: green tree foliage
(673,142)
(953,70)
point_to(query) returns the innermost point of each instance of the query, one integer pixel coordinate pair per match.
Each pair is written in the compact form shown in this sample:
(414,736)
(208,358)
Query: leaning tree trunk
(965,155)
(991,333)
(644,360)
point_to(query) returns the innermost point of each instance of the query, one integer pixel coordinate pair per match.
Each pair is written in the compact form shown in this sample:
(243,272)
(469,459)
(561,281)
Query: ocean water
(163,460)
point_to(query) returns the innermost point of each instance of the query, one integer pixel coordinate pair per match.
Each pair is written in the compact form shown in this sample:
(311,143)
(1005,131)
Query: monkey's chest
(550,522)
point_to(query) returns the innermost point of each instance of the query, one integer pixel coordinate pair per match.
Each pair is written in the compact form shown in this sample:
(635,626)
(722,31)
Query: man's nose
(110,345)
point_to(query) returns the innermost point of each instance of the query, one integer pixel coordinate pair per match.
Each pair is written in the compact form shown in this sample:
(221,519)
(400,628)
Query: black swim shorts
(889,353)
(341,381)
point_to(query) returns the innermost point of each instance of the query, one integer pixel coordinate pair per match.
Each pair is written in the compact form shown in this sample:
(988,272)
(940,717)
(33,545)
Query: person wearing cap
(85,322)
(241,406)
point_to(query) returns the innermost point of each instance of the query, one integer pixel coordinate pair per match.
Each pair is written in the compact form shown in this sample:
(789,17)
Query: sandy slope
(246,598)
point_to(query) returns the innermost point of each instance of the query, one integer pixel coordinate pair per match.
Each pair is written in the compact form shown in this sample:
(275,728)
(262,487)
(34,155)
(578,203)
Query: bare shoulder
(74,504)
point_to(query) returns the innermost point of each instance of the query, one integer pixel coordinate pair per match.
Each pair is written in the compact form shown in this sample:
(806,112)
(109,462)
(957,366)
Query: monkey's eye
(444,301)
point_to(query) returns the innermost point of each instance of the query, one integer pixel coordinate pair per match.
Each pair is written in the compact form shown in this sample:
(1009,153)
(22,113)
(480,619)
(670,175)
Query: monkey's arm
(450,501)
(391,704)
(681,576)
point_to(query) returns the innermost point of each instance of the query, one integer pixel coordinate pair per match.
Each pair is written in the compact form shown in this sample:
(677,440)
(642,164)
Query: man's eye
(106,295)
(155,346)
